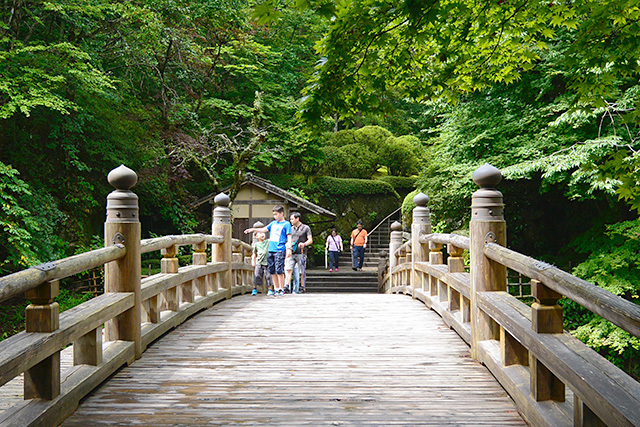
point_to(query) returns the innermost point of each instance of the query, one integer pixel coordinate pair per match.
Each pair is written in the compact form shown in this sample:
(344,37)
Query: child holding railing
(260,264)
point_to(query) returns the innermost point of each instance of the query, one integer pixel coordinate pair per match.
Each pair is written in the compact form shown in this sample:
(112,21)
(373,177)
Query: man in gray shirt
(300,238)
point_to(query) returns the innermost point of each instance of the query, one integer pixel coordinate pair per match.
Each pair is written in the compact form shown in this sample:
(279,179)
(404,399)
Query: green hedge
(286,181)
(350,186)
(400,182)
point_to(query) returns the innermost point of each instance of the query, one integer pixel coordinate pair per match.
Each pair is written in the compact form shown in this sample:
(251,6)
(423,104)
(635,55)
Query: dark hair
(295,215)
(278,208)
(359,222)
(333,229)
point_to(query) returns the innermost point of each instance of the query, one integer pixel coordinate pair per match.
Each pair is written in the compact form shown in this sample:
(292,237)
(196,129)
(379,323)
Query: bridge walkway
(309,359)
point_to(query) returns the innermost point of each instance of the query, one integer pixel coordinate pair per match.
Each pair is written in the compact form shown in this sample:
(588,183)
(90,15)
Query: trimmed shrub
(346,187)
(401,184)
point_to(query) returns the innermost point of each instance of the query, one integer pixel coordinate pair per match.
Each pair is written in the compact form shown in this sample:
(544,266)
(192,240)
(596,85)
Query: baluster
(43,315)
(435,258)
(123,275)
(222,252)
(487,225)
(169,265)
(455,262)
(237,256)
(395,242)
(511,351)
(420,225)
(546,318)
(583,416)
(199,257)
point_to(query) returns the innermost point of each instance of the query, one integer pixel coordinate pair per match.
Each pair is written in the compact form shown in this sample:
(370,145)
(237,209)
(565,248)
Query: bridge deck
(310,359)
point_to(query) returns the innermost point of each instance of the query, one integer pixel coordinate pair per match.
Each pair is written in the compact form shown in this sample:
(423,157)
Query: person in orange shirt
(358,243)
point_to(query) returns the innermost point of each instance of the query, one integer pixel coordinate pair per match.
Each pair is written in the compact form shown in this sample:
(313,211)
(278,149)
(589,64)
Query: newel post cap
(122,178)
(396,226)
(487,176)
(421,200)
(222,200)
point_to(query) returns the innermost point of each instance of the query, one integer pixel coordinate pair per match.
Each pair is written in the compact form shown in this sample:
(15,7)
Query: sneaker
(330,270)
(281,292)
(336,269)
(270,292)
(354,269)
(254,292)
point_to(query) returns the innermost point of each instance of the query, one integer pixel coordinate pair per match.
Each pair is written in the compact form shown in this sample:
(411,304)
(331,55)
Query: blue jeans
(295,279)
(358,256)
(334,258)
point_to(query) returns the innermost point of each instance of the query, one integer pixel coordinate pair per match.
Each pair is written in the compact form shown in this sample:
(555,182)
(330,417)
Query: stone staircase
(346,280)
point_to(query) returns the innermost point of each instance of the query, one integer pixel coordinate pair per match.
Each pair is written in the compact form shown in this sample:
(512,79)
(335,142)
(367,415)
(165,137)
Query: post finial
(122,178)
(258,224)
(222,200)
(487,176)
(396,226)
(421,199)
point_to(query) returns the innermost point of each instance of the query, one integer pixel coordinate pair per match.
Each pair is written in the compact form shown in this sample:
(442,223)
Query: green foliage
(69,299)
(12,318)
(17,224)
(407,208)
(613,264)
(400,155)
(350,161)
(348,187)
(400,183)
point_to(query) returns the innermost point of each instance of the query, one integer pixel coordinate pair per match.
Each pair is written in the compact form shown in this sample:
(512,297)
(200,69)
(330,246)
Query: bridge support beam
(487,225)
(123,227)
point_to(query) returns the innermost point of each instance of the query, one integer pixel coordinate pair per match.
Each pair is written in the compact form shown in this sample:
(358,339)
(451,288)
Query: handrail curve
(22,281)
(614,308)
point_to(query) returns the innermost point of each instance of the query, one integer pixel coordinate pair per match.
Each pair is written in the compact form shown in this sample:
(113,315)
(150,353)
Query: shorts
(294,259)
(275,261)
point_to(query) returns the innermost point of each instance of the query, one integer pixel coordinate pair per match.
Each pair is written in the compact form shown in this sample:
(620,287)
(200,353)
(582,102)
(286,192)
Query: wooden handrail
(25,280)
(164,242)
(244,245)
(520,344)
(445,239)
(615,309)
(22,351)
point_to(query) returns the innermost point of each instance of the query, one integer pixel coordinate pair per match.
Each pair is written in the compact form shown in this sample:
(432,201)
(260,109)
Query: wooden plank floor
(309,359)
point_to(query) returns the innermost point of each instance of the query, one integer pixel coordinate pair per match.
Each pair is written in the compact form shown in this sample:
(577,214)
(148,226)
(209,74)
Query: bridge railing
(553,377)
(112,329)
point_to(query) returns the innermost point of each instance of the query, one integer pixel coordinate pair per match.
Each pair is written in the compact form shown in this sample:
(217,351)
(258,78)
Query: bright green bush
(350,161)
(345,187)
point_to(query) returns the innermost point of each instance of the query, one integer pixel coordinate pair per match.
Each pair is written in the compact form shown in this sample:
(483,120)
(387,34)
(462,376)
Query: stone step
(342,281)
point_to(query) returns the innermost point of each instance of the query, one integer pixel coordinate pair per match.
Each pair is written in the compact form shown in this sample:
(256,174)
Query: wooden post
(487,225)
(455,262)
(435,258)
(123,226)
(169,265)
(43,315)
(395,242)
(546,318)
(382,266)
(200,258)
(222,252)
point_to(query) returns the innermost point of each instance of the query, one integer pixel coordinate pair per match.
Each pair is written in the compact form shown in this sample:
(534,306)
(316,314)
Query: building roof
(270,188)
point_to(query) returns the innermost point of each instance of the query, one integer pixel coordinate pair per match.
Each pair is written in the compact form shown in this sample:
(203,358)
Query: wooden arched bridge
(441,344)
